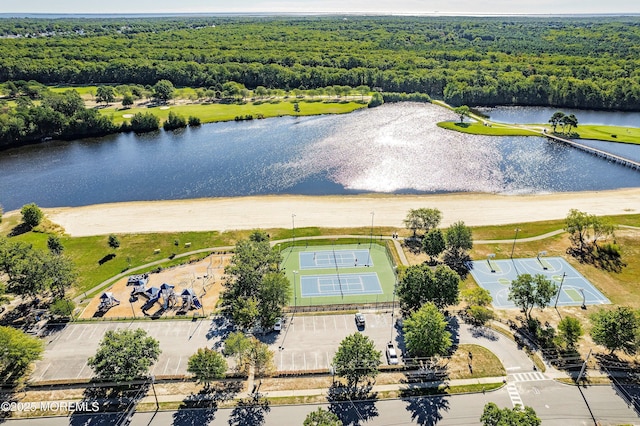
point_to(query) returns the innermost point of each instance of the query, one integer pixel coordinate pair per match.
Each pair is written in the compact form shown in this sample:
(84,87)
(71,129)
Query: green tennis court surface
(576,289)
(339,274)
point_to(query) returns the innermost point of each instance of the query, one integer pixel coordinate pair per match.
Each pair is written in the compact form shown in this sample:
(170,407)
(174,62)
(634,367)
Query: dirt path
(333,211)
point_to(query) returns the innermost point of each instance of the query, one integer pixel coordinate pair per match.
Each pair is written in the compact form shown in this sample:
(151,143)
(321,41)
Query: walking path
(396,243)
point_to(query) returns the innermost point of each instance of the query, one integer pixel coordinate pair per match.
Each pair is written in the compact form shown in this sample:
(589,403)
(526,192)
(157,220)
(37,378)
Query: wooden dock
(634,165)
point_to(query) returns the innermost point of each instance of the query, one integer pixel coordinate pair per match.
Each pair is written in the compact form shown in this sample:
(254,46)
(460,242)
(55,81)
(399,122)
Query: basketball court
(497,275)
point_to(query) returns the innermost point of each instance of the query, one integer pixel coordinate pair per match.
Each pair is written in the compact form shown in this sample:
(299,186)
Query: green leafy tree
(356,359)
(113,241)
(477,296)
(274,293)
(54,244)
(426,333)
(250,352)
(422,219)
(207,365)
(31,215)
(556,119)
(61,274)
(62,308)
(124,355)
(420,284)
(463,111)
(528,291)
(17,351)
(479,315)
(459,240)
(174,121)
(433,244)
(255,288)
(144,122)
(194,121)
(106,94)
(322,417)
(127,100)
(163,90)
(616,329)
(494,416)
(570,331)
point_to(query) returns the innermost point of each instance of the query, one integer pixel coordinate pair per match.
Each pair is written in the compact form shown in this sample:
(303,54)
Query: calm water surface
(394,149)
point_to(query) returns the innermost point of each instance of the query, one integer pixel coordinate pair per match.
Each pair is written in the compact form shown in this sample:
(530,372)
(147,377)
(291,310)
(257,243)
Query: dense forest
(565,62)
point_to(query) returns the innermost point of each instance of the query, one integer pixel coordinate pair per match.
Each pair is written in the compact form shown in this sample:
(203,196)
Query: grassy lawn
(227,112)
(476,128)
(484,363)
(584,131)
(138,249)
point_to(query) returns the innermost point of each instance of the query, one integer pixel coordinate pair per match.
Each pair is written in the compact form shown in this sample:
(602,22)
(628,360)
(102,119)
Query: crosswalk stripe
(514,395)
(528,377)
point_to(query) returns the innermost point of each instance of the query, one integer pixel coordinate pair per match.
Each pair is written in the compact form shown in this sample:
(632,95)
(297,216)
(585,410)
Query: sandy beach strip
(275,211)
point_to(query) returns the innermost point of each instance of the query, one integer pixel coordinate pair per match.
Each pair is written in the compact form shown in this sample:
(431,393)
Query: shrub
(174,121)
(194,121)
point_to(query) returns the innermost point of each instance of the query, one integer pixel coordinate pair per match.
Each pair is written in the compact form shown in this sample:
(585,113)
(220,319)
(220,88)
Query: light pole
(371,236)
(153,379)
(542,253)
(293,227)
(514,242)
(560,289)
(295,292)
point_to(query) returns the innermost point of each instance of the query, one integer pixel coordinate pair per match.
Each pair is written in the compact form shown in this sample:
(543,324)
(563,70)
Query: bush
(144,122)
(62,307)
(194,121)
(174,121)
(31,215)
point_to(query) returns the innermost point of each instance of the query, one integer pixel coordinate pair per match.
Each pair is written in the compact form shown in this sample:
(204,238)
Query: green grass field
(382,267)
(209,113)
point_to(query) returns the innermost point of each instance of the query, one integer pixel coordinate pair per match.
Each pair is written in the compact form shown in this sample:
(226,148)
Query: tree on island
(356,359)
(207,365)
(18,351)
(124,355)
(463,111)
(556,119)
(426,332)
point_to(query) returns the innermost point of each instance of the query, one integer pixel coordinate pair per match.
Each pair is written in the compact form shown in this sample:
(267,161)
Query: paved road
(556,404)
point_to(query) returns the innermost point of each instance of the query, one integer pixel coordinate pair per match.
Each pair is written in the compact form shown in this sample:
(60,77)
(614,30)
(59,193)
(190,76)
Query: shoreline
(332,211)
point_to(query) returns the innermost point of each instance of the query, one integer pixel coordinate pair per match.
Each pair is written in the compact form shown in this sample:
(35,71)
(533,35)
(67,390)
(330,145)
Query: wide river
(396,148)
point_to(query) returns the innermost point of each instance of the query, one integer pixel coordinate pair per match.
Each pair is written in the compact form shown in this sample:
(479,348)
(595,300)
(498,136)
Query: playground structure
(168,296)
(107,301)
(139,283)
(189,300)
(204,278)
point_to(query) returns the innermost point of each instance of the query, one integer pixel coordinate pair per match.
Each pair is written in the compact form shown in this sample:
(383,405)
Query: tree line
(563,62)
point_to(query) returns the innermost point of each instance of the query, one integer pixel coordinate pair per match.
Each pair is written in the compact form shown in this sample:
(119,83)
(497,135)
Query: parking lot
(310,342)
(305,343)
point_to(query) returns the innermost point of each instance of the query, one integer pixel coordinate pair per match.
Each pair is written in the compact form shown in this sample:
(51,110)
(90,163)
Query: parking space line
(73,330)
(166,366)
(80,372)
(178,366)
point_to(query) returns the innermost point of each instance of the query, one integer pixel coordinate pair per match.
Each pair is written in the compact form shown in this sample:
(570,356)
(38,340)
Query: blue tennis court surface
(339,284)
(326,259)
(496,276)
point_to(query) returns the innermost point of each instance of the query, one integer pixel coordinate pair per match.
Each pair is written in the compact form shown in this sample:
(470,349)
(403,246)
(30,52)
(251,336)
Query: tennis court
(337,285)
(339,273)
(497,275)
(323,259)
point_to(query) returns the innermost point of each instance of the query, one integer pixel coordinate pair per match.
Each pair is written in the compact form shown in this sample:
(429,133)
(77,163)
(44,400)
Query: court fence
(387,305)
